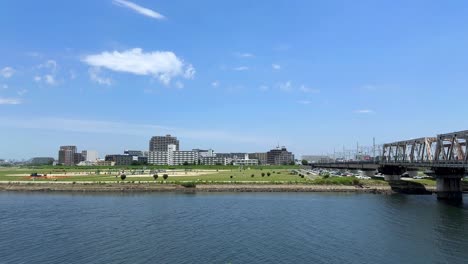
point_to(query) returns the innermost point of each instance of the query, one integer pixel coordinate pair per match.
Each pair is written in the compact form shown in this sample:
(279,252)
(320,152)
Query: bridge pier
(412,173)
(449,183)
(392,173)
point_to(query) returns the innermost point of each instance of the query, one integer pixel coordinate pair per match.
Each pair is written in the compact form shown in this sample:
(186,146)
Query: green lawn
(277,176)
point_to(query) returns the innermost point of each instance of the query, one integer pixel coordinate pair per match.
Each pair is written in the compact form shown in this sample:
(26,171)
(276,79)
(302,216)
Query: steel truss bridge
(445,155)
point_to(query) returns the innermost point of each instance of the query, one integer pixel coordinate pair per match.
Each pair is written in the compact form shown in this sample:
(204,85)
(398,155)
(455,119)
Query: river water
(231,228)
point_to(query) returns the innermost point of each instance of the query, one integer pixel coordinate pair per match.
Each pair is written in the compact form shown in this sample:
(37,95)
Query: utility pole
(373,146)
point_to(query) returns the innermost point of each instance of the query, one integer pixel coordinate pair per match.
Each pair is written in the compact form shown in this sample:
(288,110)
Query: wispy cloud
(95,76)
(22,92)
(276,66)
(7,72)
(164,65)
(286,86)
(10,101)
(123,128)
(49,79)
(179,85)
(215,84)
(241,68)
(244,55)
(364,111)
(264,88)
(139,9)
(304,102)
(306,89)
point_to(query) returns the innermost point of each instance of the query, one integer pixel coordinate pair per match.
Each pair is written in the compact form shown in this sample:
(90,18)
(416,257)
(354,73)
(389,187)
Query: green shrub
(188,184)
(253,175)
(123,177)
(165,176)
(155,176)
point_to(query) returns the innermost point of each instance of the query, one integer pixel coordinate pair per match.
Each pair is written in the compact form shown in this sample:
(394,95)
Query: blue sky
(229,75)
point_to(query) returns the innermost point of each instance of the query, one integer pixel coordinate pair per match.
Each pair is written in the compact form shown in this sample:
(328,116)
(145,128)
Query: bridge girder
(414,150)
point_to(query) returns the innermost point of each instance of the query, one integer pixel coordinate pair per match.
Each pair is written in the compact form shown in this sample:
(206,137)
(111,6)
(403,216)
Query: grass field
(278,175)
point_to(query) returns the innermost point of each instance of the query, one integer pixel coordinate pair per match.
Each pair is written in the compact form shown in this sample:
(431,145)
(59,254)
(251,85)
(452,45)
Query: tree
(304,162)
(123,177)
(268,174)
(165,176)
(231,176)
(155,176)
(253,175)
(263,174)
(185,163)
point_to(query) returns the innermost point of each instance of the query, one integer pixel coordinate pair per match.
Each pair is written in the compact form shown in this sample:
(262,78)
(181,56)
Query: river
(231,228)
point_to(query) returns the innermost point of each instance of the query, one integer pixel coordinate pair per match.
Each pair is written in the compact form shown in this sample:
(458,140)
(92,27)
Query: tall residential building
(279,156)
(119,159)
(160,143)
(260,156)
(90,155)
(67,155)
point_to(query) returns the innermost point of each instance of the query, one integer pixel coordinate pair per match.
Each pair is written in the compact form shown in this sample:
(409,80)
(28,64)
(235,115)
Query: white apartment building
(157,157)
(172,156)
(245,161)
(90,155)
(213,160)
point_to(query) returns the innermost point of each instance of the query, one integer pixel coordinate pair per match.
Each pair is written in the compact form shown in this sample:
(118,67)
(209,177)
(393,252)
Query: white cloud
(123,128)
(94,75)
(276,66)
(215,84)
(286,87)
(244,55)
(264,88)
(4,86)
(50,65)
(304,102)
(7,72)
(241,68)
(364,111)
(49,79)
(10,101)
(179,85)
(37,78)
(164,65)
(139,9)
(306,89)
(22,92)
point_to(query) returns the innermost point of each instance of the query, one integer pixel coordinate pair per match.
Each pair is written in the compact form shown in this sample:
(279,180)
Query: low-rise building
(120,160)
(279,156)
(157,157)
(213,160)
(261,156)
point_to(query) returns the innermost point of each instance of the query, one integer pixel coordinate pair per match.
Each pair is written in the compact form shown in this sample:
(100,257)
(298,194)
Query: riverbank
(151,187)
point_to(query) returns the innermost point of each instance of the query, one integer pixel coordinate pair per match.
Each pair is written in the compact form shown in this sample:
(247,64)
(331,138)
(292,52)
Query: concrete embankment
(151,187)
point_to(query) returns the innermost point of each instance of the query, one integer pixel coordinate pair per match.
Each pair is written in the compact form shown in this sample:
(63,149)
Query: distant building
(90,155)
(205,153)
(213,160)
(105,163)
(143,160)
(246,161)
(316,158)
(279,156)
(67,155)
(160,143)
(179,157)
(135,153)
(120,160)
(42,161)
(157,157)
(260,156)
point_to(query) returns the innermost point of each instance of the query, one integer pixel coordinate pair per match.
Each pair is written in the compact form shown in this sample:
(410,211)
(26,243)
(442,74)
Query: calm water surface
(231,228)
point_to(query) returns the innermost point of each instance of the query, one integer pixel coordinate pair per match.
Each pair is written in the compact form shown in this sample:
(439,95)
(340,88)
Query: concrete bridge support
(392,173)
(449,183)
(392,177)
(412,173)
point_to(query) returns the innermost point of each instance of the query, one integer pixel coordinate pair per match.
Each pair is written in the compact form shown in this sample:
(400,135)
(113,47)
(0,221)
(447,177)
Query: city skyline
(234,77)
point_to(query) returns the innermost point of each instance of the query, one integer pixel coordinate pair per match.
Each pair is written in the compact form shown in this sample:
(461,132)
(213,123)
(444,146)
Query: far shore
(151,187)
